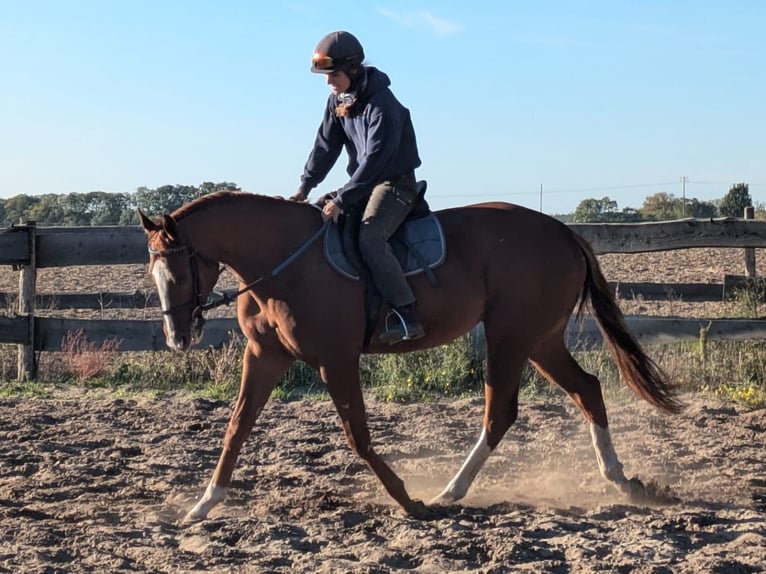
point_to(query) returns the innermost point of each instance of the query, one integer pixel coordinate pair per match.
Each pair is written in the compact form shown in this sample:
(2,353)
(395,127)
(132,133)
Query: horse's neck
(250,235)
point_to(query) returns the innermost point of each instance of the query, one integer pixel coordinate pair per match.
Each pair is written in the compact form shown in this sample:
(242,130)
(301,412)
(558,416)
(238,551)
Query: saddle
(418,244)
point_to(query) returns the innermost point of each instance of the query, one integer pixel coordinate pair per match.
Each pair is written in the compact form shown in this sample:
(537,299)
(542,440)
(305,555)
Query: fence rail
(116,245)
(142,335)
(140,299)
(28,248)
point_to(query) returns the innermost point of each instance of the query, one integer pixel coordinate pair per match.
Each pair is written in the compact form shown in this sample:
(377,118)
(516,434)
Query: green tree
(627,215)
(700,209)
(735,201)
(107,208)
(153,202)
(48,210)
(102,208)
(661,206)
(168,198)
(19,208)
(76,212)
(595,210)
(210,187)
(129,216)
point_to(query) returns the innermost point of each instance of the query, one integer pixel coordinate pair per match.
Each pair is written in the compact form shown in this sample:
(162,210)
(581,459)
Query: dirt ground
(100,485)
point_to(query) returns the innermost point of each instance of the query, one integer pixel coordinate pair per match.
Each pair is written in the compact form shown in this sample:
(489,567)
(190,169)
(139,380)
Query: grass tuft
(724,370)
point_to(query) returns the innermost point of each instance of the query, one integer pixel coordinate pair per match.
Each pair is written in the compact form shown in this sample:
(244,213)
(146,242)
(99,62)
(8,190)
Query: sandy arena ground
(100,485)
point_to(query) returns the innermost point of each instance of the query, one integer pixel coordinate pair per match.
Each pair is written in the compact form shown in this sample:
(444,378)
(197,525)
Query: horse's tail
(640,373)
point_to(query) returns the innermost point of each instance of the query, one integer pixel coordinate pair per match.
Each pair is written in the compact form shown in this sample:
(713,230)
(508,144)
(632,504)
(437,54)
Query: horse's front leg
(259,377)
(344,387)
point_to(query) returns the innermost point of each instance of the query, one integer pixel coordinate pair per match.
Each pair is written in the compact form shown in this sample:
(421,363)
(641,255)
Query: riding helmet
(336,51)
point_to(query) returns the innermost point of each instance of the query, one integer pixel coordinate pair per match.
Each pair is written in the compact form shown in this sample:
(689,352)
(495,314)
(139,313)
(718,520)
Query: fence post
(27,369)
(750,251)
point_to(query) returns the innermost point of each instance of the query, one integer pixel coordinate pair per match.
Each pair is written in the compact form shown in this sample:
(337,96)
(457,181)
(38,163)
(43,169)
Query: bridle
(198,307)
(196,300)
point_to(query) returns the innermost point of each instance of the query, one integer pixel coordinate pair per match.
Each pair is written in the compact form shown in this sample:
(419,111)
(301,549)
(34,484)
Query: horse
(520,272)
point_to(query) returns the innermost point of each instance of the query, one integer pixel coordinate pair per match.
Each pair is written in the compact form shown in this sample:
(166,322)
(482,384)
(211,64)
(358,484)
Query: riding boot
(405,328)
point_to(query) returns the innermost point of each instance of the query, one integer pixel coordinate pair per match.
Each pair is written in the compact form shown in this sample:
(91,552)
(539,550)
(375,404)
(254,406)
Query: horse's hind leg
(555,363)
(259,377)
(501,407)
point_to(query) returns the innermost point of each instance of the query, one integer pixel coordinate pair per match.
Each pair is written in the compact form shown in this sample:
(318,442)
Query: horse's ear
(170,228)
(148,225)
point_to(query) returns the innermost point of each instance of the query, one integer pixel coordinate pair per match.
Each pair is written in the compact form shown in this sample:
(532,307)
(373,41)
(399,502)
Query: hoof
(634,488)
(421,511)
(213,495)
(449,495)
(193,517)
(650,493)
(444,499)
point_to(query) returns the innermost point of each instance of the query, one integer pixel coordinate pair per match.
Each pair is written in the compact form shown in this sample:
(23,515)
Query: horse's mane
(219,198)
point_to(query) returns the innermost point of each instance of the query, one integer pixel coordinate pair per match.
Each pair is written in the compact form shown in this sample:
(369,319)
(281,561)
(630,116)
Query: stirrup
(399,330)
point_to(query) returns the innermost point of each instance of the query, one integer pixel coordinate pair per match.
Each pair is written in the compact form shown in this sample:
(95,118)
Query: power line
(728,183)
(609,187)
(564,190)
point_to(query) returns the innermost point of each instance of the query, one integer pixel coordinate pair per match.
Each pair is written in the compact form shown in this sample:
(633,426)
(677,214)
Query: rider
(363,116)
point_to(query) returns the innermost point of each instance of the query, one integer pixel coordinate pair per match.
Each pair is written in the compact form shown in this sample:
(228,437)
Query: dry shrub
(8,362)
(84,358)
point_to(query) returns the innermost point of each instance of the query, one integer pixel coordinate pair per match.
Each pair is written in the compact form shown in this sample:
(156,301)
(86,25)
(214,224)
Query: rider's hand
(299,196)
(331,210)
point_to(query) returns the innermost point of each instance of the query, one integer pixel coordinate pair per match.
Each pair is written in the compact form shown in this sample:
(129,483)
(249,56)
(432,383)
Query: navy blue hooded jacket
(380,142)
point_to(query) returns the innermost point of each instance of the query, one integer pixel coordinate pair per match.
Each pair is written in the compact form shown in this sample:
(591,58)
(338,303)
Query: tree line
(662,207)
(102,208)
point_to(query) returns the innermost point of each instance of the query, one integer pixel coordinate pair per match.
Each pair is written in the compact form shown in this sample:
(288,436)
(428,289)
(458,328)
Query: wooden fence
(27,248)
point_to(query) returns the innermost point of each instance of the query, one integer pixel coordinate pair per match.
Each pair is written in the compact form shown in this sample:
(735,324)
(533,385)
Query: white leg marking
(608,463)
(213,495)
(458,486)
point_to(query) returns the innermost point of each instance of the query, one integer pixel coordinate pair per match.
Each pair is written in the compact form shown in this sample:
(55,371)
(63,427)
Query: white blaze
(162,279)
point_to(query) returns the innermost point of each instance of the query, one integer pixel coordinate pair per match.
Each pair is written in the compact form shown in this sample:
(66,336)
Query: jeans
(389,204)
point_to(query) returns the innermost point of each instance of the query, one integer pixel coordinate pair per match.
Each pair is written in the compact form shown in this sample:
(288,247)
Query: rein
(226,299)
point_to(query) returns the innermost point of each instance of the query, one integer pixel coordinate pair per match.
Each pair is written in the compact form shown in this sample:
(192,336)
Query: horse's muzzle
(183,342)
(198,326)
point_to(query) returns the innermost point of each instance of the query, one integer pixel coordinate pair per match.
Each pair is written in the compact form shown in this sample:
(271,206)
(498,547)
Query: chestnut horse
(520,272)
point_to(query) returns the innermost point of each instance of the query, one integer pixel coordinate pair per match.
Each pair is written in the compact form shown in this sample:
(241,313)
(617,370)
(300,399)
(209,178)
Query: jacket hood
(374,81)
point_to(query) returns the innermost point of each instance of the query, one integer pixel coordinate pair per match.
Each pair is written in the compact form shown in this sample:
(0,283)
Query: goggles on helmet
(321,62)
(330,64)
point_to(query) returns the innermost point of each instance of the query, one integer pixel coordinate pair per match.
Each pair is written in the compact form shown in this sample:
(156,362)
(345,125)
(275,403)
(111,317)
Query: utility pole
(541,198)
(684,179)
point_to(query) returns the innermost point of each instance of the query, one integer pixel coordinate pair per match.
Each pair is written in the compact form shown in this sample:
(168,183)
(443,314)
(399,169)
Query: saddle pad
(424,234)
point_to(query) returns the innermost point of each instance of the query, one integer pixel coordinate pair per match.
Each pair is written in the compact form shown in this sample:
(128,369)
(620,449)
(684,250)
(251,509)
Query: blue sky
(586,99)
